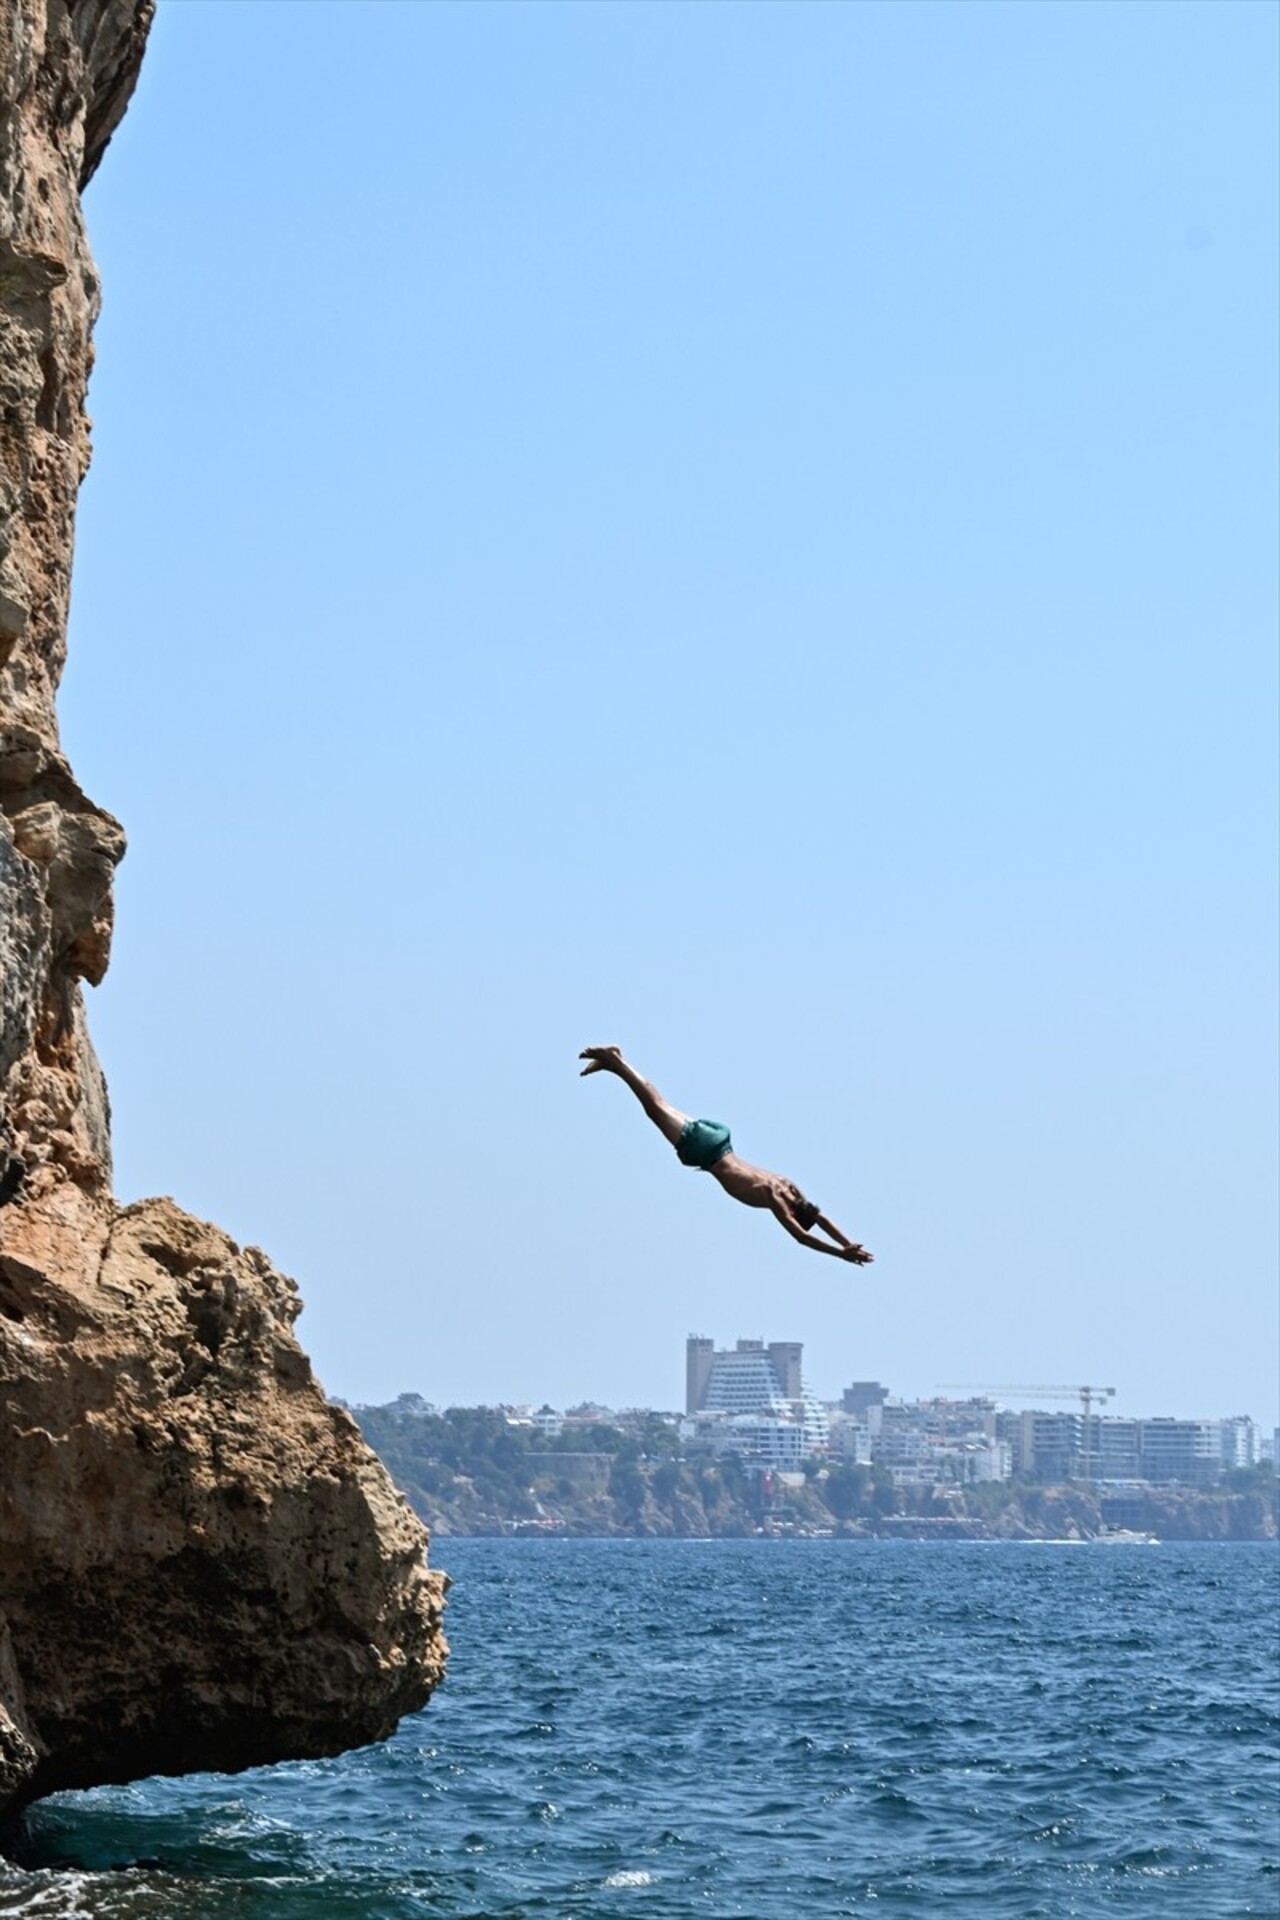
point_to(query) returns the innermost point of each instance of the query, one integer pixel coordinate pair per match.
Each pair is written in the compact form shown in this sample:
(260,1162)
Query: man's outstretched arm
(852,1252)
(855,1249)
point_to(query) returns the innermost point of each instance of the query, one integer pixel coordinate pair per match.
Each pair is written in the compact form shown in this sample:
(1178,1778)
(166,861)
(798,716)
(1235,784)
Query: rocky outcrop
(202,1565)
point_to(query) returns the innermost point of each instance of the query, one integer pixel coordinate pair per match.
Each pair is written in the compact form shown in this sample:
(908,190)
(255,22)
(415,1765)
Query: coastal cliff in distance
(202,1565)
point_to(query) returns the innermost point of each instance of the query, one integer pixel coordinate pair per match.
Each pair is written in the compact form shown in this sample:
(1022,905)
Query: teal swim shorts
(702,1143)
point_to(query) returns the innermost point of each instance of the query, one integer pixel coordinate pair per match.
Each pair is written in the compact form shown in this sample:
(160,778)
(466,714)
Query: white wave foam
(57,1898)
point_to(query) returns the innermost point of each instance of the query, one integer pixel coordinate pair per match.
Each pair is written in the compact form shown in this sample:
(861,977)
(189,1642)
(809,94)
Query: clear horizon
(747,532)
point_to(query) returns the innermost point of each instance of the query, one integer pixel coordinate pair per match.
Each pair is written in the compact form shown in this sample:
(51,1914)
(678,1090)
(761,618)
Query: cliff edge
(202,1565)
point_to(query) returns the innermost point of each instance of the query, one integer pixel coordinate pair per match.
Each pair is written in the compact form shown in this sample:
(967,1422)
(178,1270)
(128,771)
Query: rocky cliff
(201,1563)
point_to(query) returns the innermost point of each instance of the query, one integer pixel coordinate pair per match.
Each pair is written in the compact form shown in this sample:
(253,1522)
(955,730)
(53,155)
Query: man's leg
(669,1120)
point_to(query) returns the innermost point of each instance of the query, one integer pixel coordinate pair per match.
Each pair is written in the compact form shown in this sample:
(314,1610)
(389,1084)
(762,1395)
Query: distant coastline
(469,1475)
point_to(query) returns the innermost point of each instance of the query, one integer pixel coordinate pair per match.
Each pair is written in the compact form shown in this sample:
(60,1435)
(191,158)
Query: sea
(762,1730)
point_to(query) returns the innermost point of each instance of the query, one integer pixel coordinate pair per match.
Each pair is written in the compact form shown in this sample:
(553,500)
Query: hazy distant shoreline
(471,1476)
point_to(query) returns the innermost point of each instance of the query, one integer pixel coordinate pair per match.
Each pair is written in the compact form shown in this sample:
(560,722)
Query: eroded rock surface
(215,1569)
(201,1563)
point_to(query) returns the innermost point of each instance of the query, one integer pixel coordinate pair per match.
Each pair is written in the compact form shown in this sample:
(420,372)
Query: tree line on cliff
(469,1470)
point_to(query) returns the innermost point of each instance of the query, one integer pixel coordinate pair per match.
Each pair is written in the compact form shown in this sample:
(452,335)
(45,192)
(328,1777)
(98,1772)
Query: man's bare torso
(754,1186)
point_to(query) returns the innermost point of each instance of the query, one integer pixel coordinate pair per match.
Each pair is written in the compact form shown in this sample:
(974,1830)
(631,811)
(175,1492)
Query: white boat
(1125,1537)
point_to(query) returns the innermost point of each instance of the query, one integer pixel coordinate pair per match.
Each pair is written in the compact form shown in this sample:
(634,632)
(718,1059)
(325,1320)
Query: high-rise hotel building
(757,1392)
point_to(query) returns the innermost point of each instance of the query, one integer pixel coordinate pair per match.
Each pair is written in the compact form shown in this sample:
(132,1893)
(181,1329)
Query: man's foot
(859,1255)
(602,1060)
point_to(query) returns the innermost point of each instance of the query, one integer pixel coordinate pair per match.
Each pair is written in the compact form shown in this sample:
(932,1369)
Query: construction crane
(1085,1395)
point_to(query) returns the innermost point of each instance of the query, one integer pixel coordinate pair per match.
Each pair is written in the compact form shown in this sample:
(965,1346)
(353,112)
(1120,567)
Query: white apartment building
(779,1445)
(850,1439)
(1240,1441)
(1106,1447)
(937,1442)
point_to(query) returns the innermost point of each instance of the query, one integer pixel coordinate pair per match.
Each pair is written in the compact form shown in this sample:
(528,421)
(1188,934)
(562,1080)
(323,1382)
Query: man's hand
(602,1060)
(859,1255)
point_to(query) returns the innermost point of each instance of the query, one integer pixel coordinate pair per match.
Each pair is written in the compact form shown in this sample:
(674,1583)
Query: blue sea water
(760,1730)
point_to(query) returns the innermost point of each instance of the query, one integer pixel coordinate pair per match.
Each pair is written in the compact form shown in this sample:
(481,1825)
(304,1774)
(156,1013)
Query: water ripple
(751,1731)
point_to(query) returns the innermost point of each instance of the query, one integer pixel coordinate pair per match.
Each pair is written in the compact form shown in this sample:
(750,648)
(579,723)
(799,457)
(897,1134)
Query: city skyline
(828,1379)
(934,1396)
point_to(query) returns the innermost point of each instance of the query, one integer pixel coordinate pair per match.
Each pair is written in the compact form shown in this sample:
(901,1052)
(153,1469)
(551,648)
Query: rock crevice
(202,1565)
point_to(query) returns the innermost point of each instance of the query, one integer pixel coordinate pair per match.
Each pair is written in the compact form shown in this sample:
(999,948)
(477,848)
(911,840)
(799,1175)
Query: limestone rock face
(66,73)
(214,1569)
(201,1563)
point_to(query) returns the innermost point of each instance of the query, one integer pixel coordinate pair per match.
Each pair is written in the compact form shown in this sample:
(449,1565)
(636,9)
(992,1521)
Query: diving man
(706,1144)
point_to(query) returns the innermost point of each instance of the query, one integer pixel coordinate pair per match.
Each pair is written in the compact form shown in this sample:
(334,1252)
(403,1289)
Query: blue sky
(744,531)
